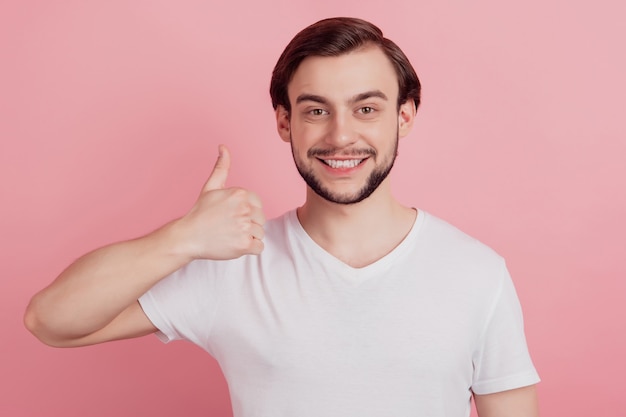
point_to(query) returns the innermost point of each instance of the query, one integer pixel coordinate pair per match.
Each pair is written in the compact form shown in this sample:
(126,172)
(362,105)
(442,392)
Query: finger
(254,200)
(217,179)
(257,231)
(256,246)
(257,216)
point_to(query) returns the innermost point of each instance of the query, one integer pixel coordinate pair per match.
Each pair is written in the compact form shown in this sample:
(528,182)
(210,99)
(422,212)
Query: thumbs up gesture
(225,223)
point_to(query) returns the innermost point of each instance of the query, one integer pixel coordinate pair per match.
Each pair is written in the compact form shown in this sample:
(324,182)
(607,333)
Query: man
(350,305)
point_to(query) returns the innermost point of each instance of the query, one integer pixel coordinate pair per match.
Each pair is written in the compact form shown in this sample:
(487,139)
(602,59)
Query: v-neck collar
(345,271)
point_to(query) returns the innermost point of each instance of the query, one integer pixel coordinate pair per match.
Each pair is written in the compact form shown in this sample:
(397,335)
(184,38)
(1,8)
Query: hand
(225,223)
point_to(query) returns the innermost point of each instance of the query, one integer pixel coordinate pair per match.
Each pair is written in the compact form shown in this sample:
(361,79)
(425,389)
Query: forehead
(341,77)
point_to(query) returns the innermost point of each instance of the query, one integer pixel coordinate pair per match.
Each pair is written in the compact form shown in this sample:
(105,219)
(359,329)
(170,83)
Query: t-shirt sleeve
(502,361)
(183,305)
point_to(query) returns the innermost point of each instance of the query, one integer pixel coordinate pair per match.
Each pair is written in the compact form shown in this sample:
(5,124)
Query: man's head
(343,96)
(334,37)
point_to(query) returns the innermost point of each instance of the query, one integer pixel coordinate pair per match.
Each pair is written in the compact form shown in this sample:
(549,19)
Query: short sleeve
(183,305)
(502,361)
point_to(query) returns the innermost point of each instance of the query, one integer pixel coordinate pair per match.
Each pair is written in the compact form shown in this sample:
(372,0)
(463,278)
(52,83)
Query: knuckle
(259,246)
(243,242)
(238,192)
(245,226)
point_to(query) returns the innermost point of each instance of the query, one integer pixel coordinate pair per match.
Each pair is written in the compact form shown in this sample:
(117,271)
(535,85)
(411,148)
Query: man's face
(344,123)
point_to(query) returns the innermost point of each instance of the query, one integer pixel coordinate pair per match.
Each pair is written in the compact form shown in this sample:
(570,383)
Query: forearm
(96,288)
(94,299)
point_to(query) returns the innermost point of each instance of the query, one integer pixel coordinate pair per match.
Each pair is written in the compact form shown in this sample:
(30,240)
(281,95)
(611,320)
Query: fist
(225,223)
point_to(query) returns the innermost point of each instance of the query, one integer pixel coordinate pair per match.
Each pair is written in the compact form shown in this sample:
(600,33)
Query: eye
(366,110)
(318,112)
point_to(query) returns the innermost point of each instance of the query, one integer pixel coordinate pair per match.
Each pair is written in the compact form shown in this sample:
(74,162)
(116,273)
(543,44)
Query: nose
(341,132)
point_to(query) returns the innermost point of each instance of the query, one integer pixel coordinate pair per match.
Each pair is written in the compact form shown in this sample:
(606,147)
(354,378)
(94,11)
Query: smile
(345,163)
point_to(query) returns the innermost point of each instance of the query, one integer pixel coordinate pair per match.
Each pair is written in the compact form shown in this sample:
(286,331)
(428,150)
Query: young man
(350,305)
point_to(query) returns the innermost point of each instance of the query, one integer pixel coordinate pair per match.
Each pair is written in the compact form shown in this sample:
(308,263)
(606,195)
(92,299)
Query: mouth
(343,163)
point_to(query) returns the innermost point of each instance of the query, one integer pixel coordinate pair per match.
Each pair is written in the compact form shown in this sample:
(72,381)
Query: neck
(361,233)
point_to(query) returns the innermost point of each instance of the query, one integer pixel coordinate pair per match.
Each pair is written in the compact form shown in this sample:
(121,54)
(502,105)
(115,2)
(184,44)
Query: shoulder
(446,237)
(278,225)
(459,256)
(278,230)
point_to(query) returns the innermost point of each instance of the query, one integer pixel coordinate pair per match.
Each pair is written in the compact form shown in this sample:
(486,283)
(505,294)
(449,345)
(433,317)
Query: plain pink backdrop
(110,116)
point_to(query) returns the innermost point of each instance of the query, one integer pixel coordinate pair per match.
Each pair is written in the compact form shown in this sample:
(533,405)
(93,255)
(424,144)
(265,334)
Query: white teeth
(349,163)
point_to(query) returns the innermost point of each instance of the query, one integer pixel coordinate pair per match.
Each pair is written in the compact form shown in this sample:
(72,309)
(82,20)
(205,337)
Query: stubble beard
(376,177)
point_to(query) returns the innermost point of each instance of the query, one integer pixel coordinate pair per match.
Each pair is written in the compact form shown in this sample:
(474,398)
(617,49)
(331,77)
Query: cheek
(380,131)
(385,122)
(307,133)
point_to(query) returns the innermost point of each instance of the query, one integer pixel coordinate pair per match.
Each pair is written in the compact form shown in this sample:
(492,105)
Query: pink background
(111,112)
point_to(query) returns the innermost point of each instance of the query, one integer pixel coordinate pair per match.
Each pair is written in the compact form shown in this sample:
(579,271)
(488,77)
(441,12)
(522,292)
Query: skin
(343,108)
(95,299)
(521,402)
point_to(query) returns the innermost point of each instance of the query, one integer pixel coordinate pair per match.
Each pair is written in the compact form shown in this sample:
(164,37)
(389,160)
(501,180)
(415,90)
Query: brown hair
(334,37)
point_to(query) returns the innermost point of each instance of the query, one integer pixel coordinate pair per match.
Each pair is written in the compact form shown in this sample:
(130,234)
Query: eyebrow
(355,99)
(368,95)
(311,97)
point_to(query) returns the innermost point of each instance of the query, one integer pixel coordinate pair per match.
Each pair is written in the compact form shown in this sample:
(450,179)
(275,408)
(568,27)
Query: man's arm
(520,402)
(92,300)
(95,299)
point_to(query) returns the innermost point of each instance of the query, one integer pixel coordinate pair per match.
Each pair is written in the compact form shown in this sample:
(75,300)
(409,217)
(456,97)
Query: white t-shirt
(299,333)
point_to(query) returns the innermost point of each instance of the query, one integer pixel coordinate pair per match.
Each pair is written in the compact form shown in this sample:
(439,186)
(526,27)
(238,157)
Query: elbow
(34,324)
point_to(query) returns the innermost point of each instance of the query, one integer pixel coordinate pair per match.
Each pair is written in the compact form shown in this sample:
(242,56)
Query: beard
(376,177)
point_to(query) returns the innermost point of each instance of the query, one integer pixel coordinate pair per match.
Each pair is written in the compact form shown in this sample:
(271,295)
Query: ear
(406,117)
(282,123)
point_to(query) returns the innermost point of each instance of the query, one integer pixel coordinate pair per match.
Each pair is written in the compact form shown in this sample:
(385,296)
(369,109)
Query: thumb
(217,179)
